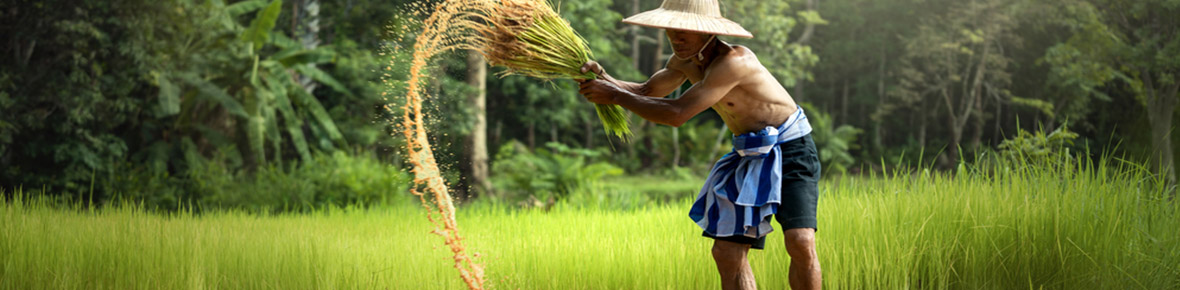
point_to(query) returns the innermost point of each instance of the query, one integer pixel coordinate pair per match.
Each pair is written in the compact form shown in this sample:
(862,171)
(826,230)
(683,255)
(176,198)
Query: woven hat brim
(668,19)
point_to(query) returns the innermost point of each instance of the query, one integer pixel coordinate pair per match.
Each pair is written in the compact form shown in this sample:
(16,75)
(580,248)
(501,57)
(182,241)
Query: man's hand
(599,91)
(593,66)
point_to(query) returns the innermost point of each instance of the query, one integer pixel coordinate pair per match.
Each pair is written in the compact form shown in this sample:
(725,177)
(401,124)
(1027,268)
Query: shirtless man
(767,123)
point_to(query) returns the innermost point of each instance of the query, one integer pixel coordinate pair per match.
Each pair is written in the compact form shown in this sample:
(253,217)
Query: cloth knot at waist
(744,188)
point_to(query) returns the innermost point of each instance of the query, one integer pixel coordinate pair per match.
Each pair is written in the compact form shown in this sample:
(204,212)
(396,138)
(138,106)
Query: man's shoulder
(738,59)
(740,54)
(741,49)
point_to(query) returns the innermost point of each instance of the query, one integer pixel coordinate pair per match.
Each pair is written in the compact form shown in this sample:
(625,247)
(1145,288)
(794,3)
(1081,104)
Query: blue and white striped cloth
(745,187)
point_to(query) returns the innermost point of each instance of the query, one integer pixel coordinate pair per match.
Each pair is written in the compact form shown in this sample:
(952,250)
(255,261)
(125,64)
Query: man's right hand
(599,91)
(594,67)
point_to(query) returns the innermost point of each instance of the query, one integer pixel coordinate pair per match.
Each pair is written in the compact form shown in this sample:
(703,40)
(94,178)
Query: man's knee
(729,251)
(800,241)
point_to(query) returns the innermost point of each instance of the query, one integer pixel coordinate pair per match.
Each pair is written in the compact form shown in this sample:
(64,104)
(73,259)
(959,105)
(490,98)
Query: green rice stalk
(529,38)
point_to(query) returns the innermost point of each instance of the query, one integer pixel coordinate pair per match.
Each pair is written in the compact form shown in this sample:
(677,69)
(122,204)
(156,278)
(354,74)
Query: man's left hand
(599,91)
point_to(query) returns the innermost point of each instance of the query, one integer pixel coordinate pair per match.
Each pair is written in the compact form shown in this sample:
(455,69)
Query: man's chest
(694,75)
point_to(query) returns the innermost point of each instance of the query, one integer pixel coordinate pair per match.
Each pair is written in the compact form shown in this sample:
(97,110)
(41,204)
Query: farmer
(773,169)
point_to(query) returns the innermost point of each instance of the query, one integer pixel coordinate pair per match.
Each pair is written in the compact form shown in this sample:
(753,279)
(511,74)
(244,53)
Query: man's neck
(708,54)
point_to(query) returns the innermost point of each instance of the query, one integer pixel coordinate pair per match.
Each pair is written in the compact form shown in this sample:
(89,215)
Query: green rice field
(1100,227)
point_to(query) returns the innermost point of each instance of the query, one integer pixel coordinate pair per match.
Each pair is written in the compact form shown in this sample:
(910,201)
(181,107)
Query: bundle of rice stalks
(529,38)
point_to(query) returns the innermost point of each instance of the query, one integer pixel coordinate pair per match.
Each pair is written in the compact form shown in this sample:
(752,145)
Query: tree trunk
(532,136)
(977,137)
(553,132)
(999,116)
(878,129)
(637,130)
(588,129)
(635,36)
(923,123)
(658,55)
(1161,141)
(843,118)
(809,29)
(307,15)
(956,130)
(720,137)
(953,147)
(675,146)
(978,95)
(497,133)
(645,160)
(477,142)
(959,121)
(1161,107)
(250,155)
(800,91)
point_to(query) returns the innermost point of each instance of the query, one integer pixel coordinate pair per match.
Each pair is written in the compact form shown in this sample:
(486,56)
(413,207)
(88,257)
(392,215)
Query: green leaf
(271,127)
(299,56)
(293,122)
(255,126)
(214,136)
(189,149)
(812,16)
(308,102)
(1043,106)
(259,30)
(324,78)
(284,42)
(285,53)
(169,96)
(214,92)
(244,7)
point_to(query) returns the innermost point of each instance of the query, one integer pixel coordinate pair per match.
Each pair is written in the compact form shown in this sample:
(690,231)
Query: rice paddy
(1097,228)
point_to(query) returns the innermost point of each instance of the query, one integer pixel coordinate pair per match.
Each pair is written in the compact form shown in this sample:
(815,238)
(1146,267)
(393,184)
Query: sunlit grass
(1096,228)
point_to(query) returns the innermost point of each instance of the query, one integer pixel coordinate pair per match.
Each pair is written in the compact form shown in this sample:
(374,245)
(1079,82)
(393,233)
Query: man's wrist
(622,96)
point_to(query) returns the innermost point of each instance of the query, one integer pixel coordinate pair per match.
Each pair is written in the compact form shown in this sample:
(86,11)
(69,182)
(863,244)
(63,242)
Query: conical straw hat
(702,16)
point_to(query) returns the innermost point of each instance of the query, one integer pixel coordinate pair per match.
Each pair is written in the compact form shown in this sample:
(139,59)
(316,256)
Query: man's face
(685,43)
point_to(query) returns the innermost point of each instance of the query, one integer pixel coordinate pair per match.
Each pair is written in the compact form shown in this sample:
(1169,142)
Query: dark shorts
(801,170)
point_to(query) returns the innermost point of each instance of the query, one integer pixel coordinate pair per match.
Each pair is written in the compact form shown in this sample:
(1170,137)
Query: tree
(146,84)
(252,80)
(72,75)
(477,145)
(957,58)
(858,51)
(306,30)
(787,58)
(1140,40)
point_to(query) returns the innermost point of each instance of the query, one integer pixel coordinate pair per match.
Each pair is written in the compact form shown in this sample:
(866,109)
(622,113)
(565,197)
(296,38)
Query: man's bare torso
(756,102)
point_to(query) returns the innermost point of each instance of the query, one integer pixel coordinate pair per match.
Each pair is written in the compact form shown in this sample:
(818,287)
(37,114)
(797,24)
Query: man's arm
(659,85)
(718,81)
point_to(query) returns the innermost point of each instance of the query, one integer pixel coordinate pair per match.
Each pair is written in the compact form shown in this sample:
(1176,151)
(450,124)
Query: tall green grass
(1096,227)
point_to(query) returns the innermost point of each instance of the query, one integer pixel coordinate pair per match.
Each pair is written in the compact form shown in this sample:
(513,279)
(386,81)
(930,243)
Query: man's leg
(733,266)
(804,272)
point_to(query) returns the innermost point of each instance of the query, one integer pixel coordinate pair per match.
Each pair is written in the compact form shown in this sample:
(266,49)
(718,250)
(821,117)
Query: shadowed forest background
(281,105)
